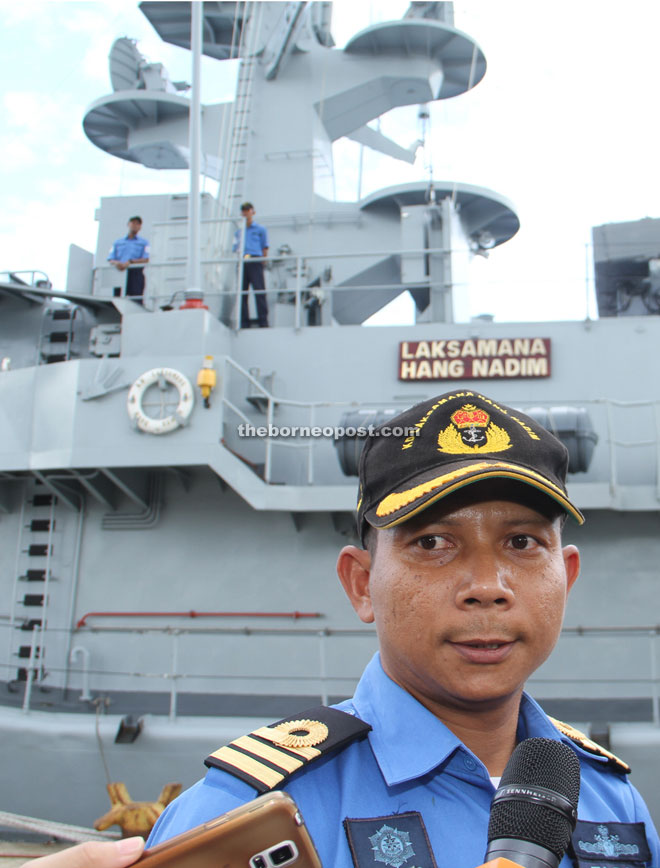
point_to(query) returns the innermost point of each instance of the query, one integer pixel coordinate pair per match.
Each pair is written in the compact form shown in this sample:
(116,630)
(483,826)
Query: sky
(563,125)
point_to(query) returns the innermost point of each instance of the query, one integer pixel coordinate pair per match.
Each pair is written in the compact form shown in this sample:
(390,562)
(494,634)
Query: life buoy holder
(178,418)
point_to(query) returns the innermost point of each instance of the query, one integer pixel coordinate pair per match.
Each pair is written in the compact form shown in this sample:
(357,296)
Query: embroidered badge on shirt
(399,841)
(613,844)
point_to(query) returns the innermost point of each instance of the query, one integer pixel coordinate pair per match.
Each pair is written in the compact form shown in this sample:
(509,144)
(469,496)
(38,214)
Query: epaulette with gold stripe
(268,756)
(591,746)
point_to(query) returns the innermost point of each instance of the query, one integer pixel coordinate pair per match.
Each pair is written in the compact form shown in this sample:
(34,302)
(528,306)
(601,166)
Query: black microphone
(534,809)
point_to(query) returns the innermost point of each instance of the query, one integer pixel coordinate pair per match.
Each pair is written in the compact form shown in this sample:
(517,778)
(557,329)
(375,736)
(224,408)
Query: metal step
(34,600)
(34,576)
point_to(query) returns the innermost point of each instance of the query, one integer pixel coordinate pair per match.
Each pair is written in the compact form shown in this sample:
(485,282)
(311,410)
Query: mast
(195,139)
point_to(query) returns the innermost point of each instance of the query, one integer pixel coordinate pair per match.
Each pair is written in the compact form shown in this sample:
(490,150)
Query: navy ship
(174,488)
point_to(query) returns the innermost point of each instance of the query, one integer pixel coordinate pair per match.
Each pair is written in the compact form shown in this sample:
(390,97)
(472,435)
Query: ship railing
(270,402)
(297,265)
(313,661)
(615,426)
(605,420)
(32,277)
(223,267)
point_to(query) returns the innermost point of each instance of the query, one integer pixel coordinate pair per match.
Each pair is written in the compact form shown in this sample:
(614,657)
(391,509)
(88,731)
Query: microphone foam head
(538,762)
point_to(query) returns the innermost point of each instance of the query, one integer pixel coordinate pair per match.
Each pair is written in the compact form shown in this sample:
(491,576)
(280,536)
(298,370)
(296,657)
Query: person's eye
(523,542)
(432,542)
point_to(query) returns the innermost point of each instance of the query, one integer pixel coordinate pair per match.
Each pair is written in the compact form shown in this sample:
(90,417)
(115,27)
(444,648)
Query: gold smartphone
(268,832)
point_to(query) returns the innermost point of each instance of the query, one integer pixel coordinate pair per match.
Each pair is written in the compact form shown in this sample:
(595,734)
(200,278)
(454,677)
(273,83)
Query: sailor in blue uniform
(465,576)
(255,243)
(130,254)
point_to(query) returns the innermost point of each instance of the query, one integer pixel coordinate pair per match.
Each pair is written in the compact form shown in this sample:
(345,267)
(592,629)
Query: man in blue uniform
(465,576)
(255,243)
(130,254)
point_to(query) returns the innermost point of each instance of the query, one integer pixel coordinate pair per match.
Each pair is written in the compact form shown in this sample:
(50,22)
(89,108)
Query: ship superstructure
(172,578)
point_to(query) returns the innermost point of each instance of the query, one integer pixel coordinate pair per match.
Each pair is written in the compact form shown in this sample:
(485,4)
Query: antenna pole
(194,144)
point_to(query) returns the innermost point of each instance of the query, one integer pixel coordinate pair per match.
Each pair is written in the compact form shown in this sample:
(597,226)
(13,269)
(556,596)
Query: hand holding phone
(268,832)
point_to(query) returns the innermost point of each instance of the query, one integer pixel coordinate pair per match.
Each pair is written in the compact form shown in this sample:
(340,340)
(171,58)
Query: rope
(98,702)
(53,829)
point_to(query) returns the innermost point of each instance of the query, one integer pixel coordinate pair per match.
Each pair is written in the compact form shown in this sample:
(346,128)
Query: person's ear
(571,565)
(353,569)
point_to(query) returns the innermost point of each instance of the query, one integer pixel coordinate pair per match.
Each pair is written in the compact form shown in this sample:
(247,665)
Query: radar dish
(125,62)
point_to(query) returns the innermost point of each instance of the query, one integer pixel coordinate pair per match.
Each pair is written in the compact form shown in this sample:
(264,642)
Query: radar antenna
(125,62)
(130,70)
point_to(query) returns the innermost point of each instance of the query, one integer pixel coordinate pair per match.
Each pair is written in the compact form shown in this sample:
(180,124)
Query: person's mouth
(484,650)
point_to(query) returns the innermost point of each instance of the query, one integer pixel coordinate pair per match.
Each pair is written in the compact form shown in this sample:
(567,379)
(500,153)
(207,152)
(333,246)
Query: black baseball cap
(443,444)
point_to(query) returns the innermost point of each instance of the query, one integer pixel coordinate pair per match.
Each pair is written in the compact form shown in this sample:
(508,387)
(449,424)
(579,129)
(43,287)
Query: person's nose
(484,581)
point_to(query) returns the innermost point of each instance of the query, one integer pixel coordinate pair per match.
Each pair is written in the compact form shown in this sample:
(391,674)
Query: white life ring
(183,410)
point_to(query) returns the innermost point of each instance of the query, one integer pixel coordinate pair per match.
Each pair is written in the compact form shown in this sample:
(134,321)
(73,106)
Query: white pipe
(194,144)
(80,651)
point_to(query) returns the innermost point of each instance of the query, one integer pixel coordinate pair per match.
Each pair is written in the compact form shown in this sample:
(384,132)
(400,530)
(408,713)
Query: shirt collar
(409,741)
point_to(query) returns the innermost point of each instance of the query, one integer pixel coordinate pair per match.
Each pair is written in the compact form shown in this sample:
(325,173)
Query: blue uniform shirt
(409,762)
(129,248)
(256,239)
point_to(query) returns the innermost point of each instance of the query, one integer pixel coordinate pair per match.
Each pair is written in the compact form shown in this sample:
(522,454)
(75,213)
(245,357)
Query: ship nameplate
(475,359)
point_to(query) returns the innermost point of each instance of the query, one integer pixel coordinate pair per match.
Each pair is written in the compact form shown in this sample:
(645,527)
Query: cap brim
(423,490)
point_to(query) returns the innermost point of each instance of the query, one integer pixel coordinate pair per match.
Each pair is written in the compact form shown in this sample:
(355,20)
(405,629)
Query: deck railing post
(655,698)
(269,441)
(612,448)
(297,299)
(30,673)
(310,448)
(174,675)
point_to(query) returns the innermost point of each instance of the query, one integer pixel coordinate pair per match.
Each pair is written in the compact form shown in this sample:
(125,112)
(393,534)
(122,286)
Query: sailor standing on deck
(463,571)
(255,244)
(130,254)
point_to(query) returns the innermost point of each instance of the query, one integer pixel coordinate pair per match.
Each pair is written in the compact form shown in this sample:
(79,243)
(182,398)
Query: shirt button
(469,763)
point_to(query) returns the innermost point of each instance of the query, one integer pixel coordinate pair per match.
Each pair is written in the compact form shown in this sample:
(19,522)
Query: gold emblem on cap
(297,733)
(471,420)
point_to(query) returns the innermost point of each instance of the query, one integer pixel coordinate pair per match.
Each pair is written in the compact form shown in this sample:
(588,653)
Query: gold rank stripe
(250,765)
(307,753)
(269,753)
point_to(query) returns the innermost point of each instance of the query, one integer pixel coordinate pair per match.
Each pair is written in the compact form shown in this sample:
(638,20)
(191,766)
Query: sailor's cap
(448,442)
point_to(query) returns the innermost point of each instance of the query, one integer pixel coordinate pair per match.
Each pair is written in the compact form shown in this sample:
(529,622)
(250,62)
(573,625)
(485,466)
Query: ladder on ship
(233,146)
(39,596)
(232,185)
(57,335)
(232,189)
(237,158)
